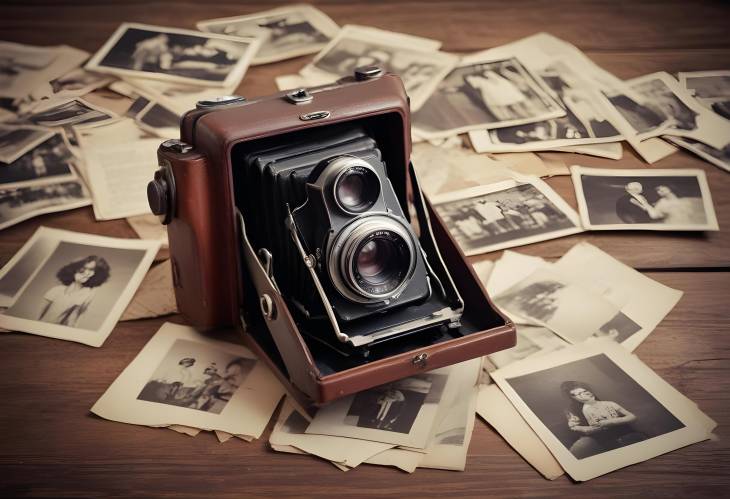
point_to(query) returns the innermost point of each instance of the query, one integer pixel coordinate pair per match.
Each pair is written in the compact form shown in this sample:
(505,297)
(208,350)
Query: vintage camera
(298,219)
(345,256)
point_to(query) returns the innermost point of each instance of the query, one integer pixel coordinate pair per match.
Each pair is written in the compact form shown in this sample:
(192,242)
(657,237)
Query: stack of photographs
(421,421)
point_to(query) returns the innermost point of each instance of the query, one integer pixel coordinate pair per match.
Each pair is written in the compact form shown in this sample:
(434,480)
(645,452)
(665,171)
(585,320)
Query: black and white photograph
(505,214)
(643,301)
(48,162)
(599,408)
(183,377)
(547,298)
(24,67)
(16,140)
(172,54)
(669,109)
(584,121)
(285,32)
(484,95)
(403,412)
(79,291)
(76,83)
(718,157)
(673,199)
(68,113)
(159,120)
(21,204)
(710,88)
(416,60)
(197,376)
(531,340)
(394,407)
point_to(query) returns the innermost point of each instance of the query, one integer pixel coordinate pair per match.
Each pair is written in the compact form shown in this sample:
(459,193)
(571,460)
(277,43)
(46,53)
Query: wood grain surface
(51,446)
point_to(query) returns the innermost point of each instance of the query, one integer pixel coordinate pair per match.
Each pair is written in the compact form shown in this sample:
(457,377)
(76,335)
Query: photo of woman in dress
(65,303)
(601,425)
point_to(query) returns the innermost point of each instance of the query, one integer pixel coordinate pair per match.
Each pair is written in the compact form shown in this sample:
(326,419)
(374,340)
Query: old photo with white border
(173,54)
(624,413)
(506,214)
(178,360)
(285,32)
(669,199)
(80,287)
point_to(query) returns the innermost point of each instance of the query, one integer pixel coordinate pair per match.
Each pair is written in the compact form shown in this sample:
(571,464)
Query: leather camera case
(220,283)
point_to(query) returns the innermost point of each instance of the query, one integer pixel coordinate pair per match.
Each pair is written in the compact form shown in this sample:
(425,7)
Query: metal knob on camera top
(161,190)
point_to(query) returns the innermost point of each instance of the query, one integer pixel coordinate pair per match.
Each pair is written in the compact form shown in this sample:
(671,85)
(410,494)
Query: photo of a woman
(602,425)
(65,303)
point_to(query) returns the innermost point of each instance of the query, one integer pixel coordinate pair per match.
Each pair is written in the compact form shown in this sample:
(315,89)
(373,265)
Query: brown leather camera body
(220,282)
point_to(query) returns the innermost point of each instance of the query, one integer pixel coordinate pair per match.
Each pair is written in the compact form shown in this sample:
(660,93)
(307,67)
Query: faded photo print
(395,406)
(77,285)
(196,376)
(592,406)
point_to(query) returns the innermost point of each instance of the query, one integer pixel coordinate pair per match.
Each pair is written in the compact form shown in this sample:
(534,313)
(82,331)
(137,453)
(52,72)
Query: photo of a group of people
(196,376)
(584,120)
(483,95)
(505,214)
(22,203)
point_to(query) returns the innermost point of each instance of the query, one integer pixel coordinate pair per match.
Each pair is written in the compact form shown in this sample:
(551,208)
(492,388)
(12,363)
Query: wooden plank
(51,445)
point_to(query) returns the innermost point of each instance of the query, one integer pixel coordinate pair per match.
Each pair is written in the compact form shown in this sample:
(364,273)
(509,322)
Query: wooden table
(50,445)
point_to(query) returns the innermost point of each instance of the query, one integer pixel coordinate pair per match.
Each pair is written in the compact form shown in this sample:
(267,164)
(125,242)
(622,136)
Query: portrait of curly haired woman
(66,302)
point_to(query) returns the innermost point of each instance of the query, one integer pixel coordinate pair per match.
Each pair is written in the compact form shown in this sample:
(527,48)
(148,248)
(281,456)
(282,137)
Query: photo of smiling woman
(66,302)
(602,425)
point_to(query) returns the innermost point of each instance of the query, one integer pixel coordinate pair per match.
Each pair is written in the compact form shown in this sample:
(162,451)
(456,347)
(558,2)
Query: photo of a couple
(678,201)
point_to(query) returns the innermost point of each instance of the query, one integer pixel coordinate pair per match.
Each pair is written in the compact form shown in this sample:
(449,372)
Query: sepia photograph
(400,413)
(196,376)
(598,408)
(183,377)
(285,32)
(171,54)
(416,60)
(584,121)
(17,140)
(24,67)
(21,204)
(710,88)
(393,407)
(159,120)
(484,95)
(673,199)
(547,298)
(669,109)
(67,113)
(531,340)
(718,157)
(76,83)
(643,301)
(79,291)
(48,162)
(506,214)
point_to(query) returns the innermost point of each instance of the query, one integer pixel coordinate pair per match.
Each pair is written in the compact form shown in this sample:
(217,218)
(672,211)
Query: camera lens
(372,259)
(356,188)
(375,261)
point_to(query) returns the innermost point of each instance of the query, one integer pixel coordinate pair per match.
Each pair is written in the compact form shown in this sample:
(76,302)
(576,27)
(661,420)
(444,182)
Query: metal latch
(420,360)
